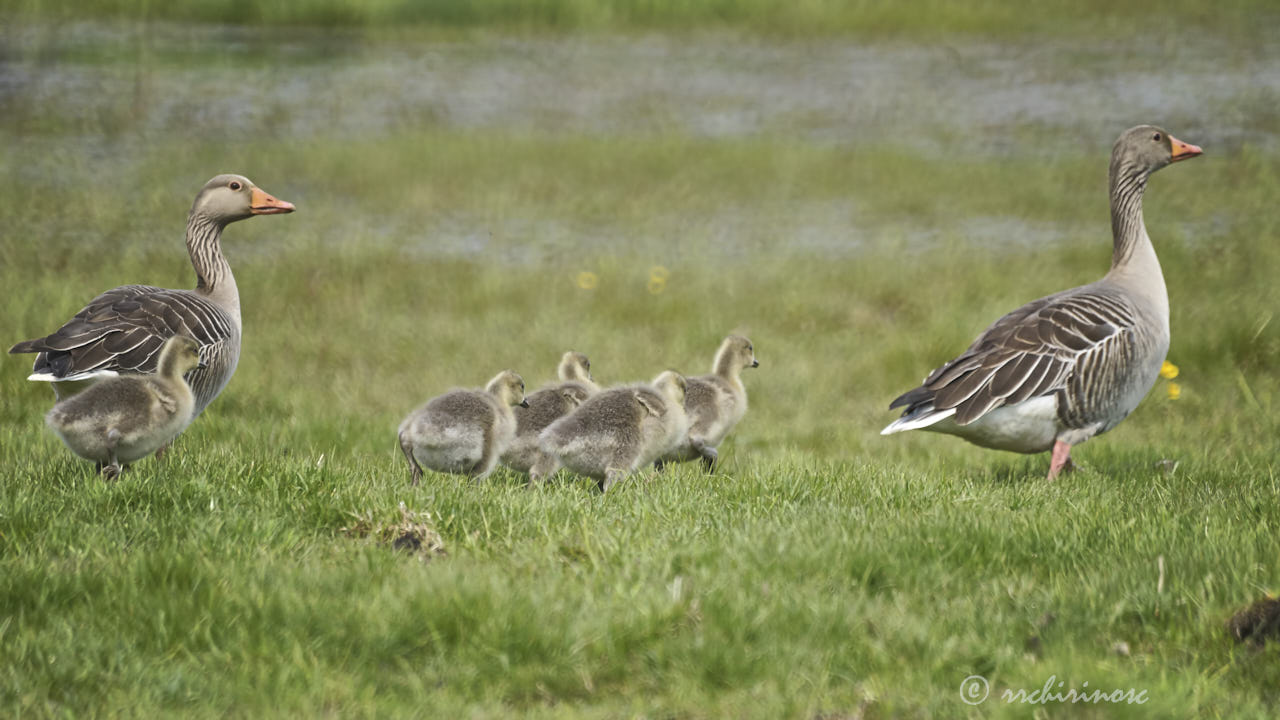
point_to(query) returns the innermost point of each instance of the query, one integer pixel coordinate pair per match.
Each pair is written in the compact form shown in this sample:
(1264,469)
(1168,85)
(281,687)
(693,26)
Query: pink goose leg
(1061,459)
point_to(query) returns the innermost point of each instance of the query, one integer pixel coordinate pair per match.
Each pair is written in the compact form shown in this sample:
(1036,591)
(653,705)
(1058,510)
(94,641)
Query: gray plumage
(619,430)
(545,407)
(463,431)
(1067,367)
(125,418)
(715,403)
(122,330)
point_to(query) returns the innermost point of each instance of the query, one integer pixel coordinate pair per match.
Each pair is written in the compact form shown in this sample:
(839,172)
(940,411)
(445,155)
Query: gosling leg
(543,468)
(708,454)
(415,470)
(111,470)
(612,477)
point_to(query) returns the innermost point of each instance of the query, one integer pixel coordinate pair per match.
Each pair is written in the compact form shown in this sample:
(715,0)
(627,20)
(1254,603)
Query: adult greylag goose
(128,417)
(1064,368)
(122,330)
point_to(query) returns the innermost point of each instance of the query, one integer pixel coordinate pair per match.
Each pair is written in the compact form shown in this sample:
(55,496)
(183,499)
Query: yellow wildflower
(1168,370)
(1175,391)
(659,273)
(657,285)
(588,280)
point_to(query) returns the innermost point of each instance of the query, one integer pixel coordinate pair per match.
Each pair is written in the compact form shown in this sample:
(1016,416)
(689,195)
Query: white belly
(1028,427)
(451,449)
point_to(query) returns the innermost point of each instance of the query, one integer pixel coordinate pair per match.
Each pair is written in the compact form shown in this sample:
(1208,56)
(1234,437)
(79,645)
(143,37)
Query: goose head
(178,356)
(574,366)
(508,387)
(228,198)
(671,385)
(736,353)
(1145,149)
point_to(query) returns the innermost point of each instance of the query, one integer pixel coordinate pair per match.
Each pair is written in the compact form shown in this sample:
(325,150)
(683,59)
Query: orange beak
(260,203)
(1182,151)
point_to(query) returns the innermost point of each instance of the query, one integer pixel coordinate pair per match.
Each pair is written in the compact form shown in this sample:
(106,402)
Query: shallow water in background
(227,81)
(103,87)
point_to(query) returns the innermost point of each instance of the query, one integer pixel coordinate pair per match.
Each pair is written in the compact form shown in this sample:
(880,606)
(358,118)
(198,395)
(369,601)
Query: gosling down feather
(619,430)
(1064,368)
(463,431)
(122,330)
(127,417)
(715,403)
(545,407)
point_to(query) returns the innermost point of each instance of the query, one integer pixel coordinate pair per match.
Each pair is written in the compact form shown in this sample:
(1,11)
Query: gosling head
(1145,149)
(672,386)
(735,354)
(228,198)
(508,387)
(574,366)
(178,356)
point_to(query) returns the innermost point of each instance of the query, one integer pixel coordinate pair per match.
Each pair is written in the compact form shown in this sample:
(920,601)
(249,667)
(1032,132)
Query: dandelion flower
(659,273)
(1168,370)
(587,280)
(1175,391)
(657,285)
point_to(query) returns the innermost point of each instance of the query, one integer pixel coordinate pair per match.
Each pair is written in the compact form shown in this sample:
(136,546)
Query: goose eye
(1156,137)
(235,185)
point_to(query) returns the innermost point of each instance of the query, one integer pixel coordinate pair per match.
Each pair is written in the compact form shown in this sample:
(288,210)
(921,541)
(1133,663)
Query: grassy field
(823,572)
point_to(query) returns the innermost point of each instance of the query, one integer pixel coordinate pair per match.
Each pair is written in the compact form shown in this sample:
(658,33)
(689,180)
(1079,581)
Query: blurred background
(859,187)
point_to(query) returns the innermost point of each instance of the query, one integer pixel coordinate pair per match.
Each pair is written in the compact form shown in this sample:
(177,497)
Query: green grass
(825,571)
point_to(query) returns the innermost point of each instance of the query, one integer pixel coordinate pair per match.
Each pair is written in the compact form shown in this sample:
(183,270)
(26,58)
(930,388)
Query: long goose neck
(213,273)
(727,367)
(1127,226)
(1134,264)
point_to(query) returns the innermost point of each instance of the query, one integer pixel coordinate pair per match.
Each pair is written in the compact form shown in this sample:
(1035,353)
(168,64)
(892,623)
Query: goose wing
(1073,341)
(122,330)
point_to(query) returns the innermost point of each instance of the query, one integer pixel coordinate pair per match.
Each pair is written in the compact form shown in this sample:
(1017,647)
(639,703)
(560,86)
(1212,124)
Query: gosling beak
(1182,151)
(755,363)
(524,403)
(260,203)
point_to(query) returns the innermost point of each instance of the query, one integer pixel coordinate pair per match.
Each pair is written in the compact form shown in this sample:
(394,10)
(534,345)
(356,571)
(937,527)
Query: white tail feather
(920,419)
(78,377)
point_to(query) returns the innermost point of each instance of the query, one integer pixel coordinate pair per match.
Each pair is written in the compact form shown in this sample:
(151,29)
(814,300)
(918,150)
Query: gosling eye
(235,185)
(1156,137)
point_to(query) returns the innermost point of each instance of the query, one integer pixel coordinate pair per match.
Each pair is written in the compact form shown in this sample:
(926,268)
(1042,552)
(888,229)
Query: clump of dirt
(1257,623)
(413,534)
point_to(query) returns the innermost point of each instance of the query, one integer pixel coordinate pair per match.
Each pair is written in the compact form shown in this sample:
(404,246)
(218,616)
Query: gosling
(545,407)
(463,431)
(617,431)
(127,417)
(715,403)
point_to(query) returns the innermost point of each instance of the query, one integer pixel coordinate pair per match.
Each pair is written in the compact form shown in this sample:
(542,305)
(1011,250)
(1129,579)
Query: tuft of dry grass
(412,533)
